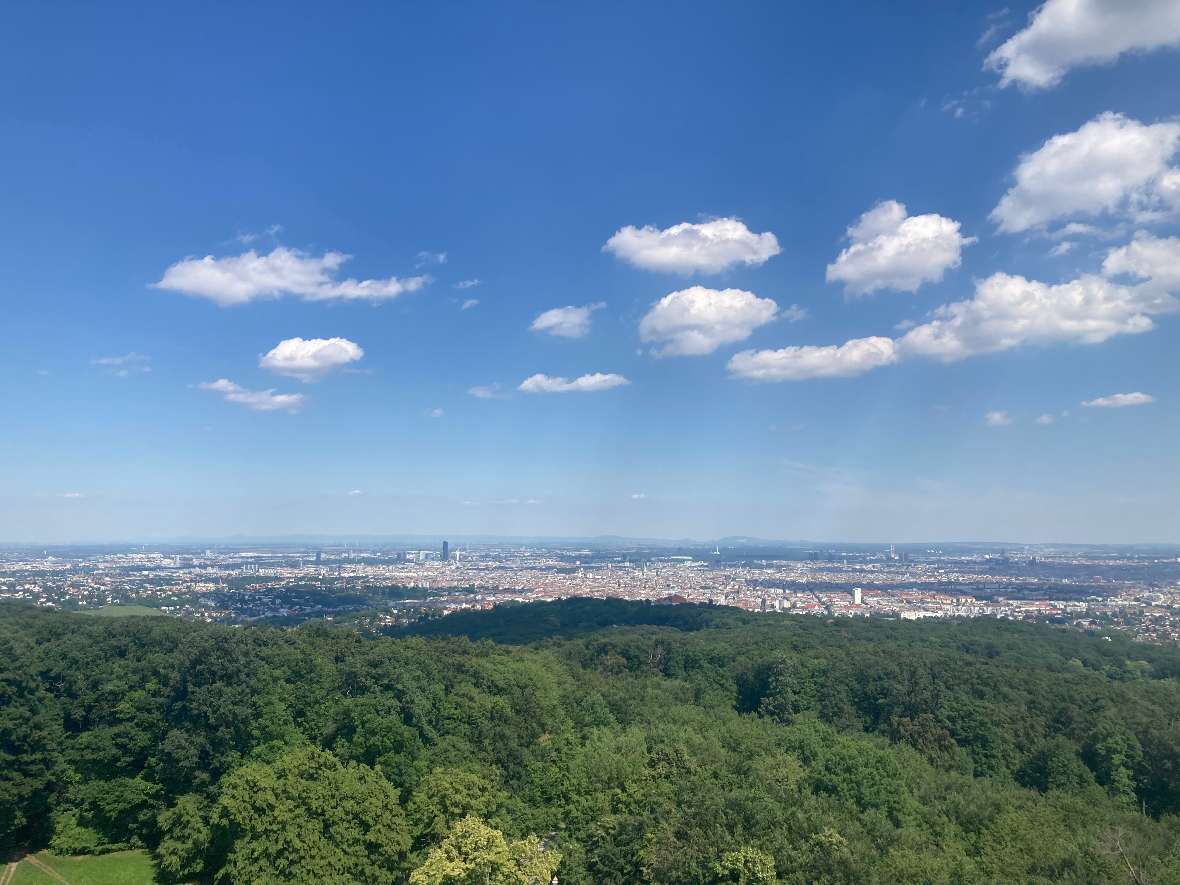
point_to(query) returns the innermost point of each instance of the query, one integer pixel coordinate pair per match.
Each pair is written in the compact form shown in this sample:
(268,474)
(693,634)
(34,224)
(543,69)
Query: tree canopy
(608,742)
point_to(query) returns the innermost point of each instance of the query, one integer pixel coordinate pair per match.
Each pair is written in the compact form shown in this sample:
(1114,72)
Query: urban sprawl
(381,586)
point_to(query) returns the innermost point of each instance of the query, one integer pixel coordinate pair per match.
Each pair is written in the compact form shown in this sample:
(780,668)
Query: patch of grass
(118,868)
(124,611)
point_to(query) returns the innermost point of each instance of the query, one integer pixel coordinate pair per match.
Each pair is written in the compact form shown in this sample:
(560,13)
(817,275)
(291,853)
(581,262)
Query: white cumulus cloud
(1120,400)
(239,279)
(892,250)
(1112,164)
(566,322)
(311,358)
(1066,34)
(710,247)
(1146,257)
(258,400)
(1009,311)
(582,384)
(696,321)
(853,357)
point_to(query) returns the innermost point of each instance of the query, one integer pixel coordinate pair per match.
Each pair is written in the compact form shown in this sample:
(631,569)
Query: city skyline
(784,273)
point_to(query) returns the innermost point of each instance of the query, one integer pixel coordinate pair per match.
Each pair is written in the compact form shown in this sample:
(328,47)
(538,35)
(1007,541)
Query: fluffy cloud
(1120,400)
(854,357)
(1009,311)
(1112,164)
(697,320)
(686,248)
(311,358)
(890,250)
(566,322)
(583,384)
(1066,34)
(239,279)
(997,419)
(258,400)
(1146,257)
(126,365)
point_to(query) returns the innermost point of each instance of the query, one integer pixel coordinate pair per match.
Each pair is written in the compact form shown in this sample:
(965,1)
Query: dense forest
(606,741)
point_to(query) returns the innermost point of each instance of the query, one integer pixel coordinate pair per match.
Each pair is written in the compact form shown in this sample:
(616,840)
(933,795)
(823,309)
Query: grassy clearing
(118,868)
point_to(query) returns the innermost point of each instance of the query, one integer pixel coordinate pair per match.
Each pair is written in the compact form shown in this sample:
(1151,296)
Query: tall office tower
(856,597)
(319,557)
(446,551)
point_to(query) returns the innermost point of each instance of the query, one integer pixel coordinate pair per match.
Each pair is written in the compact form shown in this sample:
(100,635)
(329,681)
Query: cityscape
(381,585)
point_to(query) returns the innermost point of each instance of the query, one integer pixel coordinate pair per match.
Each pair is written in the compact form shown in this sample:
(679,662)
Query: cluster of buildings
(379,586)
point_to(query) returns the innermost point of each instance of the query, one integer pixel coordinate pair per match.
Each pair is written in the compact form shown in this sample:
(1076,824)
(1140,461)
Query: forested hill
(610,742)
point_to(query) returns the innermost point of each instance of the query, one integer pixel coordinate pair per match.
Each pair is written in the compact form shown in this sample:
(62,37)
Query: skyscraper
(446,551)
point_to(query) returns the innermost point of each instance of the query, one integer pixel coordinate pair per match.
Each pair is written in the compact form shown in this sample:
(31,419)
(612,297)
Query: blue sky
(844,256)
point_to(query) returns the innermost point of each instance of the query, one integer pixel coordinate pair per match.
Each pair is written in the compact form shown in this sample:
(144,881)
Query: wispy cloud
(468,284)
(594,381)
(126,365)
(566,322)
(257,400)
(1120,400)
(240,279)
(251,237)
(794,313)
(487,391)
